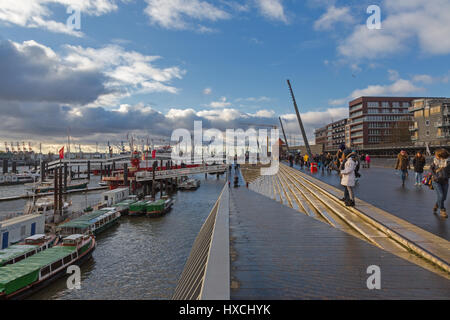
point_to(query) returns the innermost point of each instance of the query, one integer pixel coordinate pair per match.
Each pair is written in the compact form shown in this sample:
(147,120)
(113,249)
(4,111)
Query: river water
(140,258)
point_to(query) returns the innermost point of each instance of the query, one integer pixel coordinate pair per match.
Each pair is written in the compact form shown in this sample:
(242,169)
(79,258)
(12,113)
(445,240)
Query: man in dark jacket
(440,169)
(418,163)
(403,165)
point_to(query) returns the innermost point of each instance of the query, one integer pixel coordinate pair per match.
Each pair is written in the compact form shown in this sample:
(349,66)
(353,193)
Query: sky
(147,67)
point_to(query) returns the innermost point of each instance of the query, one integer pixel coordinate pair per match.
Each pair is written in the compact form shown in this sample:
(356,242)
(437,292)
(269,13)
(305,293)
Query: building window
(427,123)
(385,104)
(373,104)
(428,133)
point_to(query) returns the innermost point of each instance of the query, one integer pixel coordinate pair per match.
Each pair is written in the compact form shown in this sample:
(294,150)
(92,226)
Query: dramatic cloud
(406,22)
(333,16)
(33,72)
(38,13)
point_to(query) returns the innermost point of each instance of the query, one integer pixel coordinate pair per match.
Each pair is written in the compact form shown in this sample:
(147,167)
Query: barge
(94,222)
(25,277)
(159,207)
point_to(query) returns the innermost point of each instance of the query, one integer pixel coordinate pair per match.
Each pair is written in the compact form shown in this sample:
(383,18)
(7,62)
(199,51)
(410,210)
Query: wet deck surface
(279,253)
(382,188)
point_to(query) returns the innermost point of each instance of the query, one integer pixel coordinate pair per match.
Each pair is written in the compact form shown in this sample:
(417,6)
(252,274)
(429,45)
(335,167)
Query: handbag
(427,181)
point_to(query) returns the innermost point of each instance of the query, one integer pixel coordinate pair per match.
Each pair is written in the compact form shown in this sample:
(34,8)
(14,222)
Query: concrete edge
(216,282)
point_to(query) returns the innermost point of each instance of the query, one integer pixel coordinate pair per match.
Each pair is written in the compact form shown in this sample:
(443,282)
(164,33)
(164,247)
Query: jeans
(419,176)
(404,173)
(441,193)
(348,193)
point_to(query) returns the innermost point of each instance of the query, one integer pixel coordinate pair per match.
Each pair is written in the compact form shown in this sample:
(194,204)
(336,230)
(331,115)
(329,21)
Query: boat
(159,207)
(94,222)
(29,275)
(47,187)
(46,207)
(27,248)
(124,206)
(189,184)
(17,178)
(137,209)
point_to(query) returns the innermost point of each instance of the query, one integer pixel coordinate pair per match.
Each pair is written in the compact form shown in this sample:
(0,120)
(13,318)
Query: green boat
(25,277)
(137,208)
(94,222)
(159,207)
(23,250)
(124,206)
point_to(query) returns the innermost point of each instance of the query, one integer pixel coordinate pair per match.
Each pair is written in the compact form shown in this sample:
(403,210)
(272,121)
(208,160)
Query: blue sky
(174,61)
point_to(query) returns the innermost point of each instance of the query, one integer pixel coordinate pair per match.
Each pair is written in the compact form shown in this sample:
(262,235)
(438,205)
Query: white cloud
(406,22)
(272,9)
(220,104)
(177,14)
(37,13)
(207,91)
(333,16)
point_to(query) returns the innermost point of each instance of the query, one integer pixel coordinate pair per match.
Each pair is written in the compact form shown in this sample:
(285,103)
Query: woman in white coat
(348,177)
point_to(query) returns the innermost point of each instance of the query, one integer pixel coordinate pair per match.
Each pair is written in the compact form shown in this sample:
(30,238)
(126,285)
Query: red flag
(61,153)
(153,154)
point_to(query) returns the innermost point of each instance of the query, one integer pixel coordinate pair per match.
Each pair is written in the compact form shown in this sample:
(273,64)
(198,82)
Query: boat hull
(36,286)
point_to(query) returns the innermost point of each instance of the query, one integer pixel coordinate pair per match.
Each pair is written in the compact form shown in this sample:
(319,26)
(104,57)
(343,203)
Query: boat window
(19,258)
(67,259)
(74,255)
(29,254)
(45,271)
(56,264)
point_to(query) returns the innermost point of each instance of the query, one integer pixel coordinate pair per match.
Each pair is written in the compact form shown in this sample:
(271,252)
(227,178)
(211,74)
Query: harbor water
(139,258)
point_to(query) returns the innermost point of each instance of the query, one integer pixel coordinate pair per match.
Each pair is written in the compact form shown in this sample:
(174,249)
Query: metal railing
(206,275)
(167,174)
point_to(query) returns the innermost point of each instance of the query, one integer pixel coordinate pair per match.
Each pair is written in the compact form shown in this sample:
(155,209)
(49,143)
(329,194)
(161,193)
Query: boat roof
(87,220)
(14,251)
(36,237)
(26,266)
(19,219)
(74,237)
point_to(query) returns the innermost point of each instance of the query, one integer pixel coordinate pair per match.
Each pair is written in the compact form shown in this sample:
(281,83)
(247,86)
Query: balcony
(415,108)
(443,135)
(440,124)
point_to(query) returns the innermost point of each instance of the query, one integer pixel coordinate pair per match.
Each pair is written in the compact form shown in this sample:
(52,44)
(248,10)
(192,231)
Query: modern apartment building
(379,120)
(431,121)
(332,135)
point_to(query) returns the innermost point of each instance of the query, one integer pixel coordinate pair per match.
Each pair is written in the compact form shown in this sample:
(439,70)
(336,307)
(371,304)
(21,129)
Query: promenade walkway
(280,253)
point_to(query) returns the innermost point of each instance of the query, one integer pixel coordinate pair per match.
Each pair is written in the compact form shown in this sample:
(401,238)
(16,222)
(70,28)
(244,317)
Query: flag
(61,153)
(153,154)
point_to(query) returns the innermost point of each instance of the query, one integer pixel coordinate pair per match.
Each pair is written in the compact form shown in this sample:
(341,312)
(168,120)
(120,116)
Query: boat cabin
(37,239)
(73,240)
(115,196)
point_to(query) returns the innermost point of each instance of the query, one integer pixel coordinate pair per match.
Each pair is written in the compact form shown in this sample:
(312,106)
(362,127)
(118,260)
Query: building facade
(332,135)
(379,120)
(431,124)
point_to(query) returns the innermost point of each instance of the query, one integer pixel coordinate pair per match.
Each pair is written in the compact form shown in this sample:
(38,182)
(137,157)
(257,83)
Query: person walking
(418,163)
(363,160)
(305,159)
(367,161)
(440,170)
(402,165)
(347,174)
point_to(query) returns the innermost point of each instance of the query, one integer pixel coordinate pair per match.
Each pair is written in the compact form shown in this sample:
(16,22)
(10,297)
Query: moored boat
(159,207)
(27,248)
(137,209)
(94,222)
(189,184)
(25,277)
(124,206)
(47,187)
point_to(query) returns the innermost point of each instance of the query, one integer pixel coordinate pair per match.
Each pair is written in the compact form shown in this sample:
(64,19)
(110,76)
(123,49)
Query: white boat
(46,207)
(17,178)
(189,184)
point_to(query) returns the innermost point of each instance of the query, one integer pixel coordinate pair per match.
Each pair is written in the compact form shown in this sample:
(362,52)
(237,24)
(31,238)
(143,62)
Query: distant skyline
(149,67)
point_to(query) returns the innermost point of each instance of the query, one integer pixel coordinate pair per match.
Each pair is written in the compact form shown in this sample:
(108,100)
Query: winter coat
(402,162)
(419,163)
(367,159)
(440,170)
(348,173)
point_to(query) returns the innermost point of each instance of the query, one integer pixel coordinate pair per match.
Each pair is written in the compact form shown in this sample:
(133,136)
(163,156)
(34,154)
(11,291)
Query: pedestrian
(418,163)
(402,165)
(363,160)
(368,161)
(440,170)
(347,174)
(305,159)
